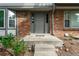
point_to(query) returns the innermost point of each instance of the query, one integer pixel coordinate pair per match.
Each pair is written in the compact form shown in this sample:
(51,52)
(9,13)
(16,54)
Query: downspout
(17,34)
(6,21)
(54,7)
(52,20)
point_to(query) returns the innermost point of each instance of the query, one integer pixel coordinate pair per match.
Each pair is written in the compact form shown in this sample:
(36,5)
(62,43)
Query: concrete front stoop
(43,38)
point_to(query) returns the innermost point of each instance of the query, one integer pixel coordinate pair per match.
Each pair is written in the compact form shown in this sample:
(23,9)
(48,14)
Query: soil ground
(70,48)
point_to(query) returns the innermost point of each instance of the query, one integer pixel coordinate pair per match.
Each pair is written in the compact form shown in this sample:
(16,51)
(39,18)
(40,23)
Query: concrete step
(44,50)
(45,53)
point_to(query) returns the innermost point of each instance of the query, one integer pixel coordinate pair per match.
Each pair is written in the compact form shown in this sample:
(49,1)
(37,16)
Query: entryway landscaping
(30,45)
(38,45)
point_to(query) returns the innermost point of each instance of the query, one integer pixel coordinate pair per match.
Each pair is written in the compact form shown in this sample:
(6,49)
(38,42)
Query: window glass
(11,23)
(11,19)
(1,18)
(67,23)
(72,19)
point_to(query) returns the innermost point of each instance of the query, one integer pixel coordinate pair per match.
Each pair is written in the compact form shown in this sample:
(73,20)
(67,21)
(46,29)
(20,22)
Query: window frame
(4,17)
(14,20)
(64,21)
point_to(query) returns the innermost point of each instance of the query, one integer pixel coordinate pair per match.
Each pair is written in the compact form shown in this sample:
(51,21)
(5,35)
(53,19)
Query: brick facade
(59,29)
(23,21)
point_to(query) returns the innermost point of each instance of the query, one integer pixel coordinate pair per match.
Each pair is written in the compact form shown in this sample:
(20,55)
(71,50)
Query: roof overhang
(27,6)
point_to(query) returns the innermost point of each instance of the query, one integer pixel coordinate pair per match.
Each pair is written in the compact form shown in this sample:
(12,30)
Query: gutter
(67,7)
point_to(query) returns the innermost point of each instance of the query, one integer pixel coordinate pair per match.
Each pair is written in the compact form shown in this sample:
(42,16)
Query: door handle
(32,21)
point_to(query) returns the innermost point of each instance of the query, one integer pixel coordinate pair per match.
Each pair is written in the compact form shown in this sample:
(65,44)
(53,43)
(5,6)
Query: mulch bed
(5,52)
(70,48)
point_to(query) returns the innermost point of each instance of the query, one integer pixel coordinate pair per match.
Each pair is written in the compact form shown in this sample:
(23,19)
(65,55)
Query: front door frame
(48,29)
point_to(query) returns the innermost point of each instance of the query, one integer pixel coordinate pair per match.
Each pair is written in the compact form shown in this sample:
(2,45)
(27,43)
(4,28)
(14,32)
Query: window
(11,19)
(2,18)
(72,19)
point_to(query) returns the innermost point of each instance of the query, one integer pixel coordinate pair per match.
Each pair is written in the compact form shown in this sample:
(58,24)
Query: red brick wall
(23,19)
(59,29)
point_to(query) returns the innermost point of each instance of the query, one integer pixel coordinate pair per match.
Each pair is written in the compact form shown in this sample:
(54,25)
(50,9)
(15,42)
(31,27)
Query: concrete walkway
(44,44)
(44,50)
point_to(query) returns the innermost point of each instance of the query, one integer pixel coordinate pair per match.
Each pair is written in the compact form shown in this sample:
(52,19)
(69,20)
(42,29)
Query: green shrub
(0,39)
(19,47)
(7,41)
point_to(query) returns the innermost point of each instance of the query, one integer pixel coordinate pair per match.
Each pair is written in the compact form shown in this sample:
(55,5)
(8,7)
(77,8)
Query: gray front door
(38,24)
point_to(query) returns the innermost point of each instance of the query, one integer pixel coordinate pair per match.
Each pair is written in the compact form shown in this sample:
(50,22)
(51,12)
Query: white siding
(12,31)
(2,32)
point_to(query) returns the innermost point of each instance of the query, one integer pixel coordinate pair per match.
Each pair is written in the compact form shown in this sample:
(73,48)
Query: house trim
(67,7)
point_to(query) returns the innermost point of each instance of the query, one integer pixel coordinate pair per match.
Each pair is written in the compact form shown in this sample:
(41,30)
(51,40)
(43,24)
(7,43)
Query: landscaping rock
(66,35)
